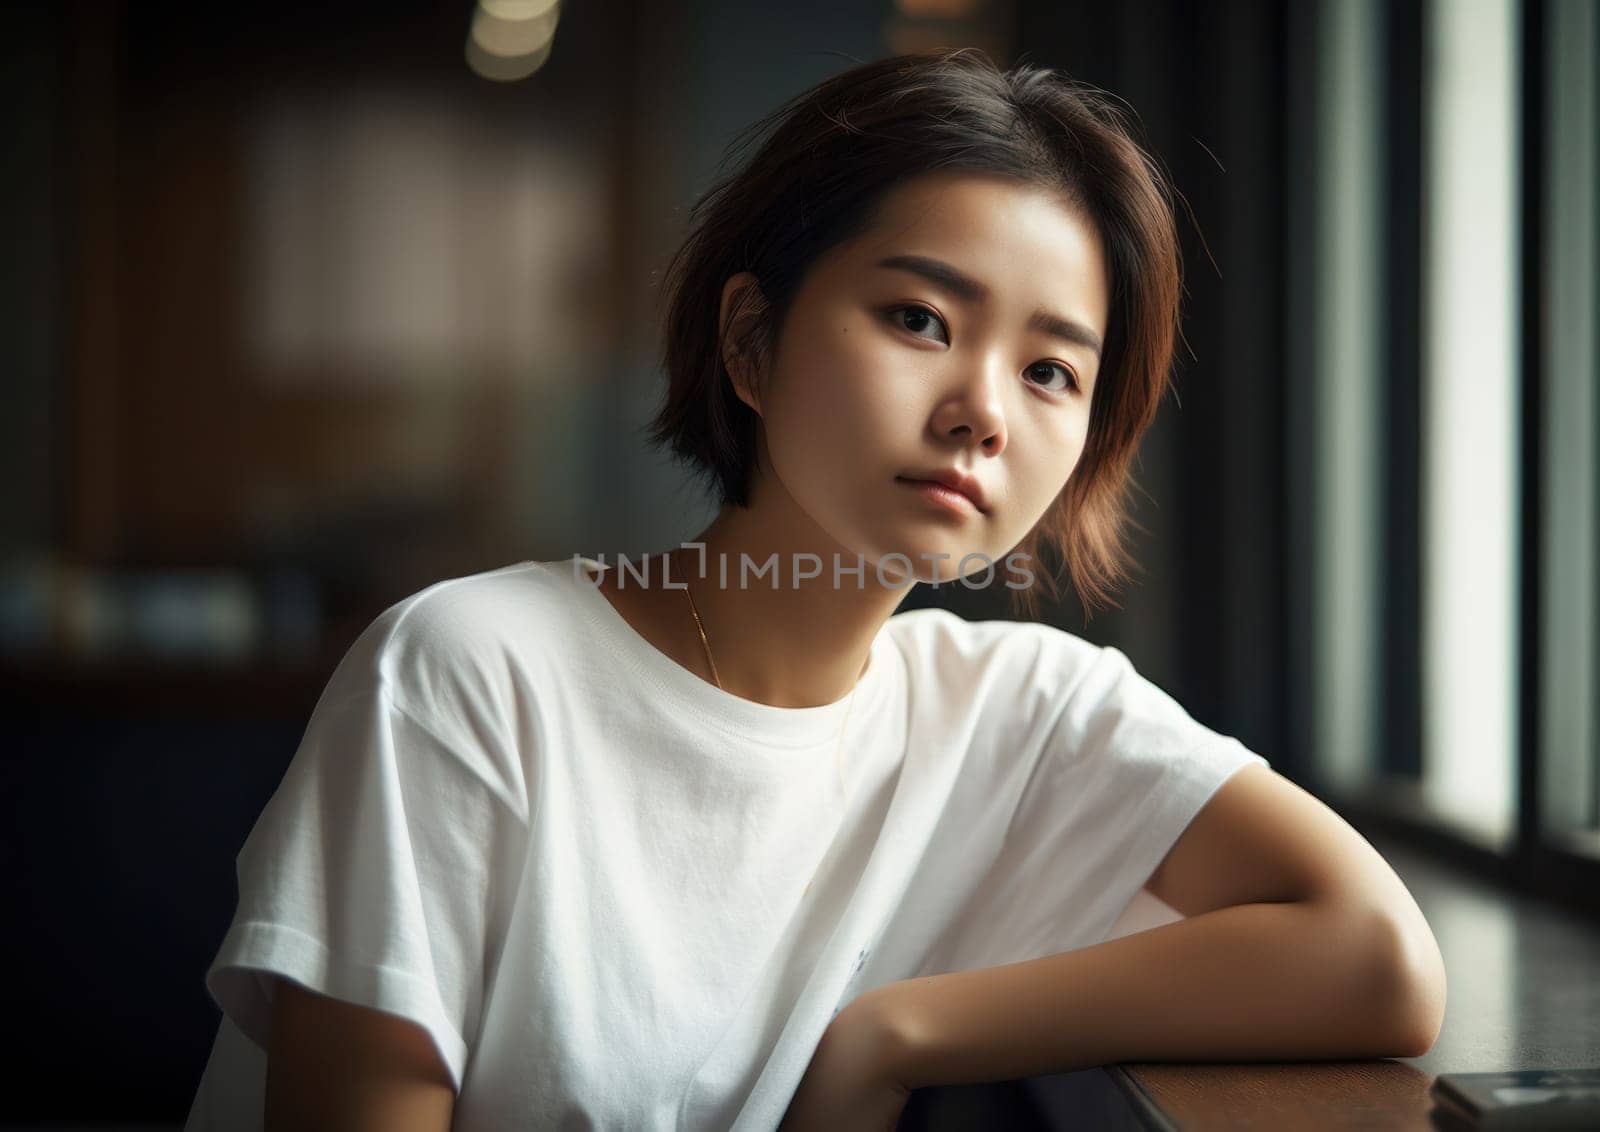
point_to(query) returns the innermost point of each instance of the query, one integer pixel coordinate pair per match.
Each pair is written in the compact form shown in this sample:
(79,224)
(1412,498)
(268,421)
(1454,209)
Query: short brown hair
(833,153)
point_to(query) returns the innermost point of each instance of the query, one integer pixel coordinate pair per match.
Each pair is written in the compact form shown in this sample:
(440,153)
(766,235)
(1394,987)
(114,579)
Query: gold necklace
(838,747)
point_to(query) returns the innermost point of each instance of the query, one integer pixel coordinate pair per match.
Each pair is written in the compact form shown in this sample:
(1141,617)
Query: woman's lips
(947,499)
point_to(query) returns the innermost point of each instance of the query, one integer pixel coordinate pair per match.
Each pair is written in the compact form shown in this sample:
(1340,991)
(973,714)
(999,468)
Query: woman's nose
(974,412)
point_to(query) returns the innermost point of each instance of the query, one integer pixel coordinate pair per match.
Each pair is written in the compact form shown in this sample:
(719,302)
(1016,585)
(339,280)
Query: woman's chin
(931,564)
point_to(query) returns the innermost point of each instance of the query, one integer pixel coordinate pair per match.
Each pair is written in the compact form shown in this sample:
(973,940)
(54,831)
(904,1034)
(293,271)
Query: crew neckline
(747,719)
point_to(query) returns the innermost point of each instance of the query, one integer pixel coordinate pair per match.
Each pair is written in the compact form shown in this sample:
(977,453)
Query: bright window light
(1349,367)
(1470,415)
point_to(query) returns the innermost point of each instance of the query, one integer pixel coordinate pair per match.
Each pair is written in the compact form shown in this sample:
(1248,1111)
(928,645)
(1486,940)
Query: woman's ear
(743,305)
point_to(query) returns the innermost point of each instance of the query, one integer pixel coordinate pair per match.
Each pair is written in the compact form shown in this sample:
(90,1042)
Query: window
(1470,415)
(1569,751)
(1451,418)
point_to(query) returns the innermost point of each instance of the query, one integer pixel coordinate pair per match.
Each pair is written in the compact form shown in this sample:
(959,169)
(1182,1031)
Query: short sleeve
(1122,771)
(381,871)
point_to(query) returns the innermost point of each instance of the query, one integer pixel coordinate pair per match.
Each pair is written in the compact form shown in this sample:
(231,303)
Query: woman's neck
(777,638)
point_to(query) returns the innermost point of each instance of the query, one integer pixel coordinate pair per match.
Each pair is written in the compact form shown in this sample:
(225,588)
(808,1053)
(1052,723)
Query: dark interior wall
(119,851)
(29,277)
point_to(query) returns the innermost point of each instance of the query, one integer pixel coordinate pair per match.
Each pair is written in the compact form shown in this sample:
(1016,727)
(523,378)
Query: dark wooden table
(1524,982)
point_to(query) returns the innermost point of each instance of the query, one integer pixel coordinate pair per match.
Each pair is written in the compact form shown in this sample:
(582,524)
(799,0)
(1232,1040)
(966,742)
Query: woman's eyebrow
(968,289)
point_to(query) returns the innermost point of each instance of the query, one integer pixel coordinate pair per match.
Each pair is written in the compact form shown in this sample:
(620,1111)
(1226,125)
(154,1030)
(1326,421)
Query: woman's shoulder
(938,623)
(466,637)
(1013,676)
(944,640)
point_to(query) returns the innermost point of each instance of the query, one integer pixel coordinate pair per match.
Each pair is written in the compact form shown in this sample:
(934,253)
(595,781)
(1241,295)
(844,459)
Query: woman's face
(887,373)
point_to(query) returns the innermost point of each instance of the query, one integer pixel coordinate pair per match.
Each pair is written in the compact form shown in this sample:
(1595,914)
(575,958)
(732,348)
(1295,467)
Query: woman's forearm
(1279,982)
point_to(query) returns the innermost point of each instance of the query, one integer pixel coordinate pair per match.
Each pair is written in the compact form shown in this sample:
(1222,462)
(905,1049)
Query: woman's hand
(853,1081)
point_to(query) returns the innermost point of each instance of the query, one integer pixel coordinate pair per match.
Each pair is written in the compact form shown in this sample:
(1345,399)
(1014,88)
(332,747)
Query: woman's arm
(1301,943)
(334,1065)
(1273,981)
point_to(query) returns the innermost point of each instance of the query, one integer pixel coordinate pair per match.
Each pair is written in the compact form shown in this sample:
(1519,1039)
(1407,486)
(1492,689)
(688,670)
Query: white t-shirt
(617,896)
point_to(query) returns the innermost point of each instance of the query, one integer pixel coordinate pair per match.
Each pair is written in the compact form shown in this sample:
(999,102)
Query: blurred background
(305,307)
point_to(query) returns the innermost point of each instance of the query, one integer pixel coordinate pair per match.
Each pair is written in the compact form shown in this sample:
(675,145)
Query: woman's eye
(919,318)
(1070,382)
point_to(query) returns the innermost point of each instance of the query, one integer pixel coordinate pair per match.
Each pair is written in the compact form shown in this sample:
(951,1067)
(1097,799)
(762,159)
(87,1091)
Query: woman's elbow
(1412,986)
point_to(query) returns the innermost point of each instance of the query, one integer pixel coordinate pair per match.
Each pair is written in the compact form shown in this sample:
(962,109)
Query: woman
(717,839)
